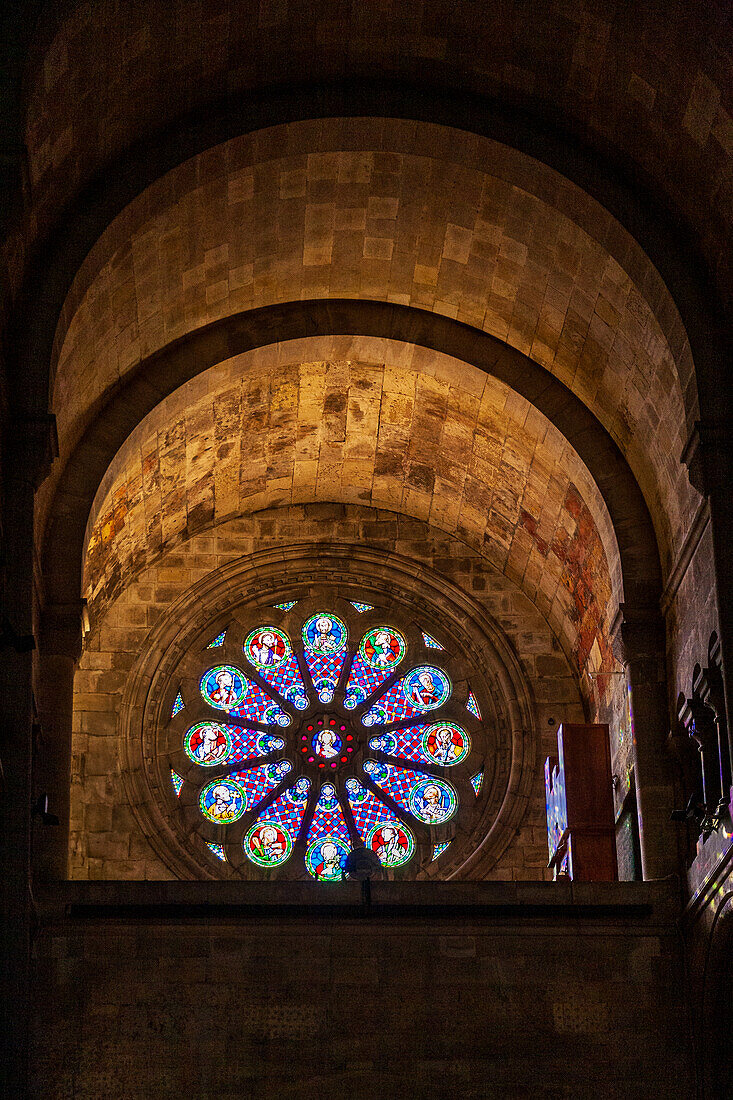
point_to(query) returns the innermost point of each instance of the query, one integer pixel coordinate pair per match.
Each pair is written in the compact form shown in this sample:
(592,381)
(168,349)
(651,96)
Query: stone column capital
(34,436)
(707,455)
(61,628)
(637,633)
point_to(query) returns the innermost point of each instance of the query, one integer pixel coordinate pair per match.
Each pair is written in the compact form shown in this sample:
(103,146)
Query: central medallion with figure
(310,743)
(326,742)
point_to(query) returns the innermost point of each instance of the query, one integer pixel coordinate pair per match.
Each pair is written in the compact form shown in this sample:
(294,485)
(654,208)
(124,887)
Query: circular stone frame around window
(408,596)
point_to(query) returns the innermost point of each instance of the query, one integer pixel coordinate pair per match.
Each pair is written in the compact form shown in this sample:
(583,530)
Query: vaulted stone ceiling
(422,216)
(419,434)
(637,88)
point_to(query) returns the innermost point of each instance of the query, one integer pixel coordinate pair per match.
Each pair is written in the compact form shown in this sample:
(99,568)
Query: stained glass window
(379,828)
(423,689)
(270,840)
(427,798)
(178,705)
(212,743)
(324,645)
(286,606)
(272,740)
(269,651)
(442,743)
(226,688)
(472,705)
(328,842)
(380,652)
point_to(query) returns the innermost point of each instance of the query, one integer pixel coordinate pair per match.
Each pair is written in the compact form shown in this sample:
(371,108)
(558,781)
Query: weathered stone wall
(707,925)
(546,990)
(692,616)
(105,837)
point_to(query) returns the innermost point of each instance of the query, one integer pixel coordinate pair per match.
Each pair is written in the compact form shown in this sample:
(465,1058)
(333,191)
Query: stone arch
(418,434)
(520,111)
(218,342)
(188,358)
(279,228)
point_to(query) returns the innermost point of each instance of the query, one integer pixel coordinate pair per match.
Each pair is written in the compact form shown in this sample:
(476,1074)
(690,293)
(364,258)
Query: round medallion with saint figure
(326,742)
(383,648)
(207,744)
(223,687)
(324,634)
(326,858)
(222,801)
(427,687)
(446,744)
(392,841)
(267,843)
(267,647)
(433,801)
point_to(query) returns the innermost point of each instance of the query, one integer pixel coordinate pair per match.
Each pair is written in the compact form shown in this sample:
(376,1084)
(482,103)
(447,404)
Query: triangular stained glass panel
(268,649)
(218,851)
(361,607)
(285,606)
(438,849)
(177,782)
(270,840)
(430,800)
(255,783)
(217,641)
(178,705)
(430,642)
(476,781)
(324,648)
(472,705)
(213,743)
(328,842)
(442,743)
(421,690)
(378,827)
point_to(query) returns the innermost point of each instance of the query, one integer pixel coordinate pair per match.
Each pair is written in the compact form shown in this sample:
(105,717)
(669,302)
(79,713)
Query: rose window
(316,728)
